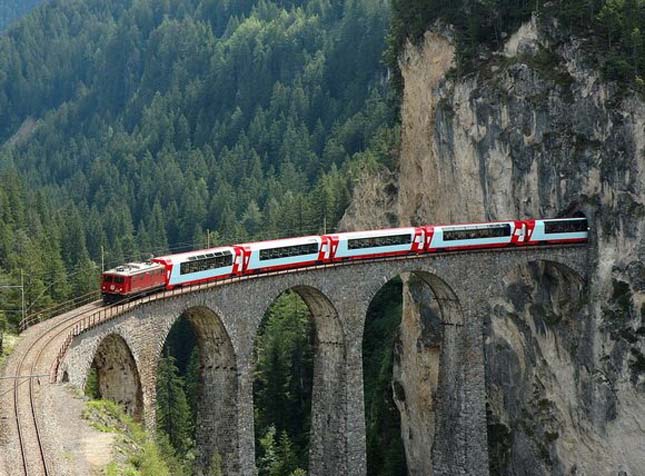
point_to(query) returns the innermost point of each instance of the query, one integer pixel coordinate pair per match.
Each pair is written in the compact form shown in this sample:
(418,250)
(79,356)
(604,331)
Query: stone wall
(227,317)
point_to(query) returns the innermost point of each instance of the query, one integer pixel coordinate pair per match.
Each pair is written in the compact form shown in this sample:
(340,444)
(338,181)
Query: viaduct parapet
(126,351)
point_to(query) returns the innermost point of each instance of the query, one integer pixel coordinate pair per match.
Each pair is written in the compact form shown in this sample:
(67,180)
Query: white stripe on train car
(177,278)
(344,252)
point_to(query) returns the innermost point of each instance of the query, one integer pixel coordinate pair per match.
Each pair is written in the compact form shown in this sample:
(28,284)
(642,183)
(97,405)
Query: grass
(8,344)
(138,454)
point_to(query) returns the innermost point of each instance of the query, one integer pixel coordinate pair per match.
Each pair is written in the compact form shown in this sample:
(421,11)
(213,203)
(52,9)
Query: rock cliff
(535,132)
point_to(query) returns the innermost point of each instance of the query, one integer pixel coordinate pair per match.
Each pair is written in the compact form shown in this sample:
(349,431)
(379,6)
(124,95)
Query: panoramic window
(495,231)
(206,262)
(287,251)
(378,241)
(568,226)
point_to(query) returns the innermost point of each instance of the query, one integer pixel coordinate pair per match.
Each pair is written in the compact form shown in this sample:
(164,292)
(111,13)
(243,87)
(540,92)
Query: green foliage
(612,28)
(11,10)
(173,412)
(215,467)
(8,341)
(278,459)
(283,383)
(178,391)
(385,454)
(158,121)
(92,385)
(143,457)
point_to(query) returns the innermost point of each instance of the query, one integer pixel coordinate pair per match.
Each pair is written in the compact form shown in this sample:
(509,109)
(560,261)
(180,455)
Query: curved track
(32,452)
(74,323)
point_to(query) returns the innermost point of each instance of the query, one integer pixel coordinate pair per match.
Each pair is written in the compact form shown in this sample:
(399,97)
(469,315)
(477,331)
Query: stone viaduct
(226,318)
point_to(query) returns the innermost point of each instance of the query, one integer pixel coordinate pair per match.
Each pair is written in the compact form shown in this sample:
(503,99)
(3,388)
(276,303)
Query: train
(201,266)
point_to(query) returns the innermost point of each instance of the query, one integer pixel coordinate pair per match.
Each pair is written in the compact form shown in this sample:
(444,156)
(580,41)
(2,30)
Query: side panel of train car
(482,235)
(201,266)
(562,230)
(378,243)
(284,254)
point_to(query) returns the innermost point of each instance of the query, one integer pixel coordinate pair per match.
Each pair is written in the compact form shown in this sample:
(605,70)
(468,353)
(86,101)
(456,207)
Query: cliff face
(534,133)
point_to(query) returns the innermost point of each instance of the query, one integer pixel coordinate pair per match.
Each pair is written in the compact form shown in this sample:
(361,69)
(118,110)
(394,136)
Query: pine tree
(173,411)
(193,382)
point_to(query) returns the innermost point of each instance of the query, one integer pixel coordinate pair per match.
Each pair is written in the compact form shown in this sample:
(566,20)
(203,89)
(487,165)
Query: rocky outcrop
(535,132)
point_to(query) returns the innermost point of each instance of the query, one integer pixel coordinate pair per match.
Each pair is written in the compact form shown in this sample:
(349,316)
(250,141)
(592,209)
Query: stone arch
(443,293)
(327,451)
(428,375)
(216,431)
(118,375)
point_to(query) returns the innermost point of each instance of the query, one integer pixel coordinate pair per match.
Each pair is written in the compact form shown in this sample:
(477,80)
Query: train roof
(181,257)
(130,269)
(373,233)
(282,242)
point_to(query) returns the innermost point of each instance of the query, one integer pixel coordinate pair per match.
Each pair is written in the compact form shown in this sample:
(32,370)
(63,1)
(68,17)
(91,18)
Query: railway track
(32,453)
(73,323)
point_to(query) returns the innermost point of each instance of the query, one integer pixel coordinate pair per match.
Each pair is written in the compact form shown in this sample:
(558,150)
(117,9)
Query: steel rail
(17,382)
(56,310)
(91,318)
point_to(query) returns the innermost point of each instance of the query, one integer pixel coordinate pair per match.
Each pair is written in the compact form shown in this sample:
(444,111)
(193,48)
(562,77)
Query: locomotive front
(131,279)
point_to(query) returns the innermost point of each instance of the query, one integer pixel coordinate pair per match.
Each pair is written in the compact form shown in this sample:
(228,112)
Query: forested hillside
(136,126)
(11,10)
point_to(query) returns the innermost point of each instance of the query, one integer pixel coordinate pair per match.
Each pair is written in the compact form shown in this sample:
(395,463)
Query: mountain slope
(145,124)
(12,10)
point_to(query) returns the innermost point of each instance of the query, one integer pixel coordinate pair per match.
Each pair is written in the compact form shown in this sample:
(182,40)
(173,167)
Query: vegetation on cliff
(613,30)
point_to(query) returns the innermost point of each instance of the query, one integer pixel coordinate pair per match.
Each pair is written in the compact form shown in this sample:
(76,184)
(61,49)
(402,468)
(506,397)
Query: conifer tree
(173,411)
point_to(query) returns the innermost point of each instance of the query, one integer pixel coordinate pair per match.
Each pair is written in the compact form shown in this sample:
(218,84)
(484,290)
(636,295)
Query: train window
(377,241)
(107,278)
(206,262)
(286,251)
(565,226)
(468,233)
(118,279)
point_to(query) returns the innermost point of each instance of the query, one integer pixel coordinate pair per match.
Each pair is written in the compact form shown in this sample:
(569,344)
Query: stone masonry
(226,319)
